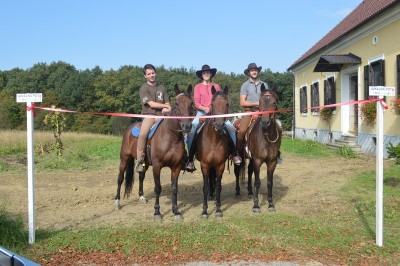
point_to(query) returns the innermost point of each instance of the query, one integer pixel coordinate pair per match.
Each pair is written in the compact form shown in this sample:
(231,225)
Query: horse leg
(270,180)
(211,180)
(120,180)
(238,169)
(250,171)
(174,193)
(257,184)
(206,188)
(157,192)
(218,212)
(142,198)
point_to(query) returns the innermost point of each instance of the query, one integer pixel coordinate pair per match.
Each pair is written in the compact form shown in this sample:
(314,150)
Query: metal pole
(379,174)
(31,177)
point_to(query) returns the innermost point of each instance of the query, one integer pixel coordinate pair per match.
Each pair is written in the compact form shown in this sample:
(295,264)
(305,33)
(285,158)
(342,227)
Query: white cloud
(338,14)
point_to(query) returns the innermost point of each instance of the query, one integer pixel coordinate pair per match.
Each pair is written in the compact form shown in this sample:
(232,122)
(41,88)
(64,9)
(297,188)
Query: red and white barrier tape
(208,116)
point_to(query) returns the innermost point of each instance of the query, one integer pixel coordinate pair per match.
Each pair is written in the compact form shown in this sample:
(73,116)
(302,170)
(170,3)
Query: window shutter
(398,75)
(325,92)
(333,97)
(382,65)
(366,82)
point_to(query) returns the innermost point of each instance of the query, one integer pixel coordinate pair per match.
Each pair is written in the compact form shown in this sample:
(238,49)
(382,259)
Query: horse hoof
(117,205)
(204,216)
(256,210)
(178,217)
(219,215)
(157,218)
(272,209)
(142,199)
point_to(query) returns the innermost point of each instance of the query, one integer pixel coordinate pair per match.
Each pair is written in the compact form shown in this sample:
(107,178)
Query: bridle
(177,112)
(271,116)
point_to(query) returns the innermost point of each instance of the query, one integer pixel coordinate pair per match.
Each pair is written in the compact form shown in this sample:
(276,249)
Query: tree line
(115,91)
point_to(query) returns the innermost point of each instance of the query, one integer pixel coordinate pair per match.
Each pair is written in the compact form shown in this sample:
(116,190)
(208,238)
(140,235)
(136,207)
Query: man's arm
(244,103)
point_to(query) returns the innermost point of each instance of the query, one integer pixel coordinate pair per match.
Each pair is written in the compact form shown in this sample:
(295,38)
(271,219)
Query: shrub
(394,152)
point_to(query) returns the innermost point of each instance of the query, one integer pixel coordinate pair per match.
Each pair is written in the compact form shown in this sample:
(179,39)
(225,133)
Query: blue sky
(226,34)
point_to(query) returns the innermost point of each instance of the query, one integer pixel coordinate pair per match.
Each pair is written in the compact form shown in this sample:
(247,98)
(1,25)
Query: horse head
(219,106)
(184,107)
(268,100)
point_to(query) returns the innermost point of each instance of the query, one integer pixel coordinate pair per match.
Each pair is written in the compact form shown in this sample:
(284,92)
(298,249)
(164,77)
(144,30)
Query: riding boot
(141,164)
(234,152)
(192,150)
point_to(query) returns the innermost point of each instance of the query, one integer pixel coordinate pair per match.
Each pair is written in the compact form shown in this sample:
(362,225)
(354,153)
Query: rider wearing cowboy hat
(250,93)
(202,101)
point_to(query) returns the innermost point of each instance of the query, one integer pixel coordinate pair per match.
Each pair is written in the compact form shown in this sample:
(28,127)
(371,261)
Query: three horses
(166,149)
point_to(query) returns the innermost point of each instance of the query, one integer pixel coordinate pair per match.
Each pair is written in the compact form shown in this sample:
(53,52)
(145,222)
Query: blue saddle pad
(136,130)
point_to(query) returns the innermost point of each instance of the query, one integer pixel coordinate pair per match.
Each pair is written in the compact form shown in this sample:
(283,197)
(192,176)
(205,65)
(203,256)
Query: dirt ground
(80,199)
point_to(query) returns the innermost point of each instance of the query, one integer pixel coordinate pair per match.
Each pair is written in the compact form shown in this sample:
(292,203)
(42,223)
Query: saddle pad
(136,130)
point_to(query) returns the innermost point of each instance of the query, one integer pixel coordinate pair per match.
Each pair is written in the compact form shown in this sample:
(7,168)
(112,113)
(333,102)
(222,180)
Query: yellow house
(362,50)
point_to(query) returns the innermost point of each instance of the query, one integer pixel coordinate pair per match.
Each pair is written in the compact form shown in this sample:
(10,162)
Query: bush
(368,113)
(394,152)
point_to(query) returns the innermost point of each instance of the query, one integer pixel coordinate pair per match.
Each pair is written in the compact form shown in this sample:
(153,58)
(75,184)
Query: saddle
(135,133)
(136,129)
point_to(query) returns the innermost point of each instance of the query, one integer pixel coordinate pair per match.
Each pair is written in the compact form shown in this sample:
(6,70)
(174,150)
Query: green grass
(306,148)
(81,151)
(344,238)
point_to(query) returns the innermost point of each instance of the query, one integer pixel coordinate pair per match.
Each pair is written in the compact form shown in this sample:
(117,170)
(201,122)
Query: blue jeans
(195,126)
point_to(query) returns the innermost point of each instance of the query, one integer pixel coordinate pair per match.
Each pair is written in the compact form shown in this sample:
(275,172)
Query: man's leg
(142,139)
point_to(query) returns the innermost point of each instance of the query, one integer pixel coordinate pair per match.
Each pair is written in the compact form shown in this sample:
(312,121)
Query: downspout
(294,110)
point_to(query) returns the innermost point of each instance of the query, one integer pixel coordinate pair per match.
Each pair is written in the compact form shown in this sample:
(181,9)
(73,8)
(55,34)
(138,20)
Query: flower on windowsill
(396,106)
(368,113)
(325,114)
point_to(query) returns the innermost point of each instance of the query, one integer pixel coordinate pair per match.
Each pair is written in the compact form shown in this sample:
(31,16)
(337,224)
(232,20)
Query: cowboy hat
(199,73)
(250,67)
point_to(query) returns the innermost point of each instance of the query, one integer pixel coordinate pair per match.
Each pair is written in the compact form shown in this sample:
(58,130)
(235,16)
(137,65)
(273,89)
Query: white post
(31,177)
(379,173)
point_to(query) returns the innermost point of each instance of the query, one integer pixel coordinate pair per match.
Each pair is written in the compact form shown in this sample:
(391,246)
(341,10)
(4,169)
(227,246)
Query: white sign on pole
(30,98)
(382,91)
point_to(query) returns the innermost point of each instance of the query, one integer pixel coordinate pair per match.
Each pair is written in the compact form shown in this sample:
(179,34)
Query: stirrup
(236,159)
(190,167)
(140,166)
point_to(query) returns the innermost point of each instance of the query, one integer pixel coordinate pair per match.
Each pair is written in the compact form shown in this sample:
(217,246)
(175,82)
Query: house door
(353,112)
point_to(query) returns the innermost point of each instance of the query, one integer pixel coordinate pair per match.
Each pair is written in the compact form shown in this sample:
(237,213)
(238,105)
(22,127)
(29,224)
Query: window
(329,91)
(303,100)
(374,75)
(314,96)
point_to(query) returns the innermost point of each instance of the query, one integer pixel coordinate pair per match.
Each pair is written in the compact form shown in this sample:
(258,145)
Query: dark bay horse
(167,149)
(213,150)
(263,143)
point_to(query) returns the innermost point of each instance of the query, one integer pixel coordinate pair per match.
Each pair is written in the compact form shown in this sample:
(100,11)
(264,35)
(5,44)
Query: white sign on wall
(381,91)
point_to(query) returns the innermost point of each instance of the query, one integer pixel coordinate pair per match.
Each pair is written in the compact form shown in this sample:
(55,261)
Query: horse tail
(129,176)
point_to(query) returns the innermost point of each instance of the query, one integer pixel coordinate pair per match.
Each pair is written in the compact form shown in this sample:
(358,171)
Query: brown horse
(263,144)
(165,148)
(213,150)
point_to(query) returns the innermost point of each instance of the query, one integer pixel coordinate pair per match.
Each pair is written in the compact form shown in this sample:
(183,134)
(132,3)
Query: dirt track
(79,199)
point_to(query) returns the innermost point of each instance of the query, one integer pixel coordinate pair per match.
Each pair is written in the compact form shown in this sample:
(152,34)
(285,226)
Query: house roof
(365,11)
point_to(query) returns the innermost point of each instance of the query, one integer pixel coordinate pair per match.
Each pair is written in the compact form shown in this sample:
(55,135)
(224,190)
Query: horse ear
(189,89)
(213,91)
(263,89)
(226,89)
(176,89)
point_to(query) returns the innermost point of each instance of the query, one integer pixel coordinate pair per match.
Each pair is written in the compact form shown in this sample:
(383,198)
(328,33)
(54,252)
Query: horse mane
(219,93)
